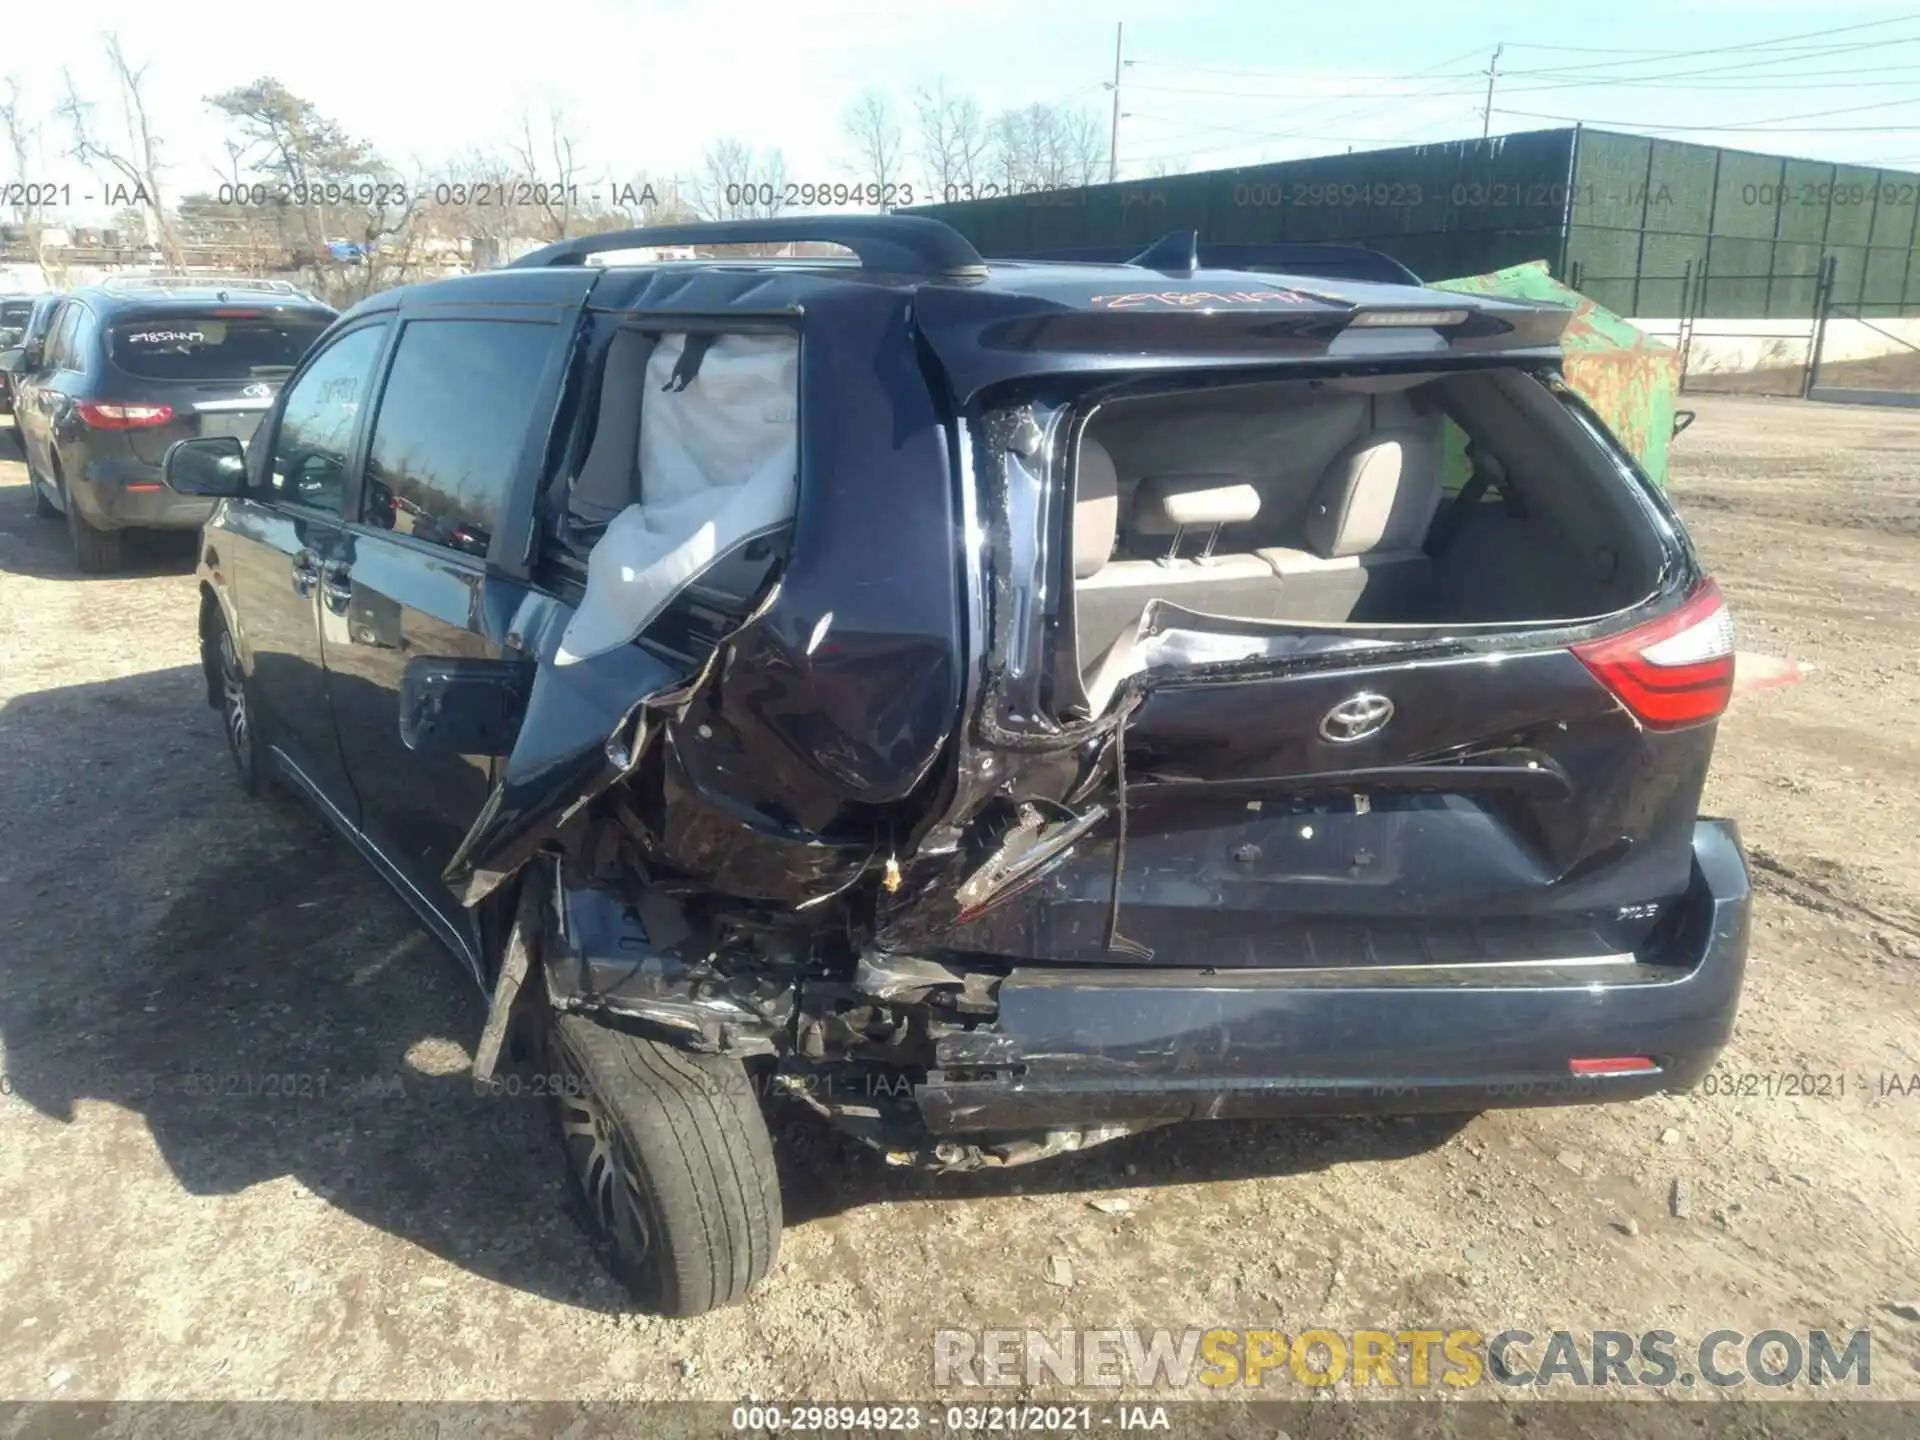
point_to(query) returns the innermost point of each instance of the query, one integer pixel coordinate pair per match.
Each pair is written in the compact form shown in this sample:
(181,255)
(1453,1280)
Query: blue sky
(1211,83)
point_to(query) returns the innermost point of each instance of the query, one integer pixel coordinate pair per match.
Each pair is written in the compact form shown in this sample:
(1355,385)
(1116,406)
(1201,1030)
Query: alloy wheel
(233,704)
(601,1159)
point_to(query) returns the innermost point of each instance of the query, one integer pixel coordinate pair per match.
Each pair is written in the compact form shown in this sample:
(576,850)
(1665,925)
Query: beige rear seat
(1364,531)
(1111,597)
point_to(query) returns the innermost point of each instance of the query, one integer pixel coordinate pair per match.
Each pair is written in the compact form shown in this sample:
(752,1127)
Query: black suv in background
(17,314)
(1001,706)
(127,367)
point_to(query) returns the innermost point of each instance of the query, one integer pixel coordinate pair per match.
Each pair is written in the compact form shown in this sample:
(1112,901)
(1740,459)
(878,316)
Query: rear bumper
(1084,1046)
(102,491)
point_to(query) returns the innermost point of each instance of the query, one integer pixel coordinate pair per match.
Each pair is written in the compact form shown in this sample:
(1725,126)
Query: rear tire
(43,508)
(96,552)
(669,1161)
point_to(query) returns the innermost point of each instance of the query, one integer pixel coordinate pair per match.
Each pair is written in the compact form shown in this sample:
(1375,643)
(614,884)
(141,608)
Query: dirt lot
(402,1240)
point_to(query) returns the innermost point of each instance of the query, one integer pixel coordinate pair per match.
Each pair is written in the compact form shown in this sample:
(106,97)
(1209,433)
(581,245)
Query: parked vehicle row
(21,319)
(103,380)
(1000,705)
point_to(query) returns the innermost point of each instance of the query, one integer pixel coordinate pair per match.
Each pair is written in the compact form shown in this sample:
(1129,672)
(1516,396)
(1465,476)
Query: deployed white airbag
(719,462)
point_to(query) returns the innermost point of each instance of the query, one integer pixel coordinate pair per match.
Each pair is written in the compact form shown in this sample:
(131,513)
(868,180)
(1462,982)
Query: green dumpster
(1631,380)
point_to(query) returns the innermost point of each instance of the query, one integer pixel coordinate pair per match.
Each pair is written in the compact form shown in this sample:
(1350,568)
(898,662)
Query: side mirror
(211,465)
(1682,419)
(13,360)
(458,706)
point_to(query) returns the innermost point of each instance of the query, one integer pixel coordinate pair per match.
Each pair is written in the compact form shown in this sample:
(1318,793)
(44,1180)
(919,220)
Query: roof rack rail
(896,244)
(197,282)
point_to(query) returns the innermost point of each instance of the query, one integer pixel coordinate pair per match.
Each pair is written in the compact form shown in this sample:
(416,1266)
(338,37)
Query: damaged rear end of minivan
(1175,695)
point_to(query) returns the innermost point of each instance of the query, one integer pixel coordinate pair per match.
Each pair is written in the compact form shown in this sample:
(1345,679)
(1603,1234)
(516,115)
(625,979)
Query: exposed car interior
(1352,501)
(686,485)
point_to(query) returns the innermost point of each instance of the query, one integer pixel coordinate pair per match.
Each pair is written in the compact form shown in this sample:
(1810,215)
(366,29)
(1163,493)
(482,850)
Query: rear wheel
(43,506)
(670,1163)
(96,552)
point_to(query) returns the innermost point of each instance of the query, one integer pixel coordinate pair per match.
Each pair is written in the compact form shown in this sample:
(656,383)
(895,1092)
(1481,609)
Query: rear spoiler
(1183,252)
(914,245)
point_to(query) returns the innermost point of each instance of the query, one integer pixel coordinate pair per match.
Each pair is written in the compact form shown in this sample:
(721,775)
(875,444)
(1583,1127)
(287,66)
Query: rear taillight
(122,417)
(1674,671)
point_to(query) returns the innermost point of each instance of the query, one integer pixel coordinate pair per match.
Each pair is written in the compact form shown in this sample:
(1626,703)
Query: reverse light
(122,417)
(1401,318)
(1671,672)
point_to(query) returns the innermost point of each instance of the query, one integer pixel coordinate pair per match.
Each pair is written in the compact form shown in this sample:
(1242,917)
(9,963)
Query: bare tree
(23,143)
(645,199)
(1046,147)
(551,175)
(1080,147)
(735,183)
(879,151)
(953,141)
(135,157)
(335,186)
(467,207)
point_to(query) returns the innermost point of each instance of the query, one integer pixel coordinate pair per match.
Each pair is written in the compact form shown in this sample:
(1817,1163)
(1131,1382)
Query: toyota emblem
(1356,717)
(257,392)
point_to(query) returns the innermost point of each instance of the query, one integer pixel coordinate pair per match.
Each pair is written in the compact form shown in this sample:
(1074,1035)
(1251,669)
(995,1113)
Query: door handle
(336,588)
(306,572)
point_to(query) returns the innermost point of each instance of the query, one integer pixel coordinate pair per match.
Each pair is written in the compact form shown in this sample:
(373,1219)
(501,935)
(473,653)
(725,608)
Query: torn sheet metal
(582,731)
(641,959)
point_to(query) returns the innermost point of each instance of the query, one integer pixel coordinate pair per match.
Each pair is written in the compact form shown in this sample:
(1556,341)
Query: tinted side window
(59,351)
(448,432)
(13,321)
(315,439)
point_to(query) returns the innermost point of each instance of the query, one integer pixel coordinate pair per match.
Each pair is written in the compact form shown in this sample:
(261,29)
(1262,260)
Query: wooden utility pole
(1113,133)
(1493,72)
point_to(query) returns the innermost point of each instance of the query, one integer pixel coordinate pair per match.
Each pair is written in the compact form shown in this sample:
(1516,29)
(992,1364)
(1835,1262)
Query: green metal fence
(1450,209)
(1672,227)
(1746,232)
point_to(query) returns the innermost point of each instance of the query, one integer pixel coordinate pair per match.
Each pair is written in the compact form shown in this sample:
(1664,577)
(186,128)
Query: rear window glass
(13,319)
(201,345)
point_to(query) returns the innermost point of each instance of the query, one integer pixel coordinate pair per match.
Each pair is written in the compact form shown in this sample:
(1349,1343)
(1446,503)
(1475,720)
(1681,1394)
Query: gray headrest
(1096,509)
(1379,493)
(607,483)
(1168,503)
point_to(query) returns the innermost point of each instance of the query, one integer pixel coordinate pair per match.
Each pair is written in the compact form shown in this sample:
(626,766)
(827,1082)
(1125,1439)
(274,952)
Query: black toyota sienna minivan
(133,364)
(1000,706)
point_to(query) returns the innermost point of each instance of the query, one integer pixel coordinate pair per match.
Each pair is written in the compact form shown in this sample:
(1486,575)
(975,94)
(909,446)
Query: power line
(1264,95)
(1575,78)
(1756,44)
(1798,81)
(1259,74)
(1328,120)
(1570,78)
(1767,122)
(1578,76)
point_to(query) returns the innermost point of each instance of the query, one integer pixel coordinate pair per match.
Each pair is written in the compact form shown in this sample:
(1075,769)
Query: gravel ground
(388,1235)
